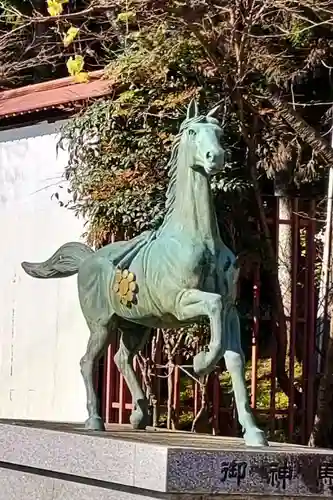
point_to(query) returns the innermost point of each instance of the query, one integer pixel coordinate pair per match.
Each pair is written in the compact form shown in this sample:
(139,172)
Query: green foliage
(151,54)
(116,167)
(157,64)
(119,148)
(126,17)
(300,33)
(10,13)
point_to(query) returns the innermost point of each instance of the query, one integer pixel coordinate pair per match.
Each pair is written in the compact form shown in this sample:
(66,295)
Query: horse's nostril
(210,155)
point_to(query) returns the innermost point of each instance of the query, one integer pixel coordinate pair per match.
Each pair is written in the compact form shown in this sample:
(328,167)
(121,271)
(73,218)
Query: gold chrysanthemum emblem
(126,287)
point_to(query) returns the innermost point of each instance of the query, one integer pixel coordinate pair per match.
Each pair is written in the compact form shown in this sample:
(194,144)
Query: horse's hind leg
(99,336)
(132,340)
(234,360)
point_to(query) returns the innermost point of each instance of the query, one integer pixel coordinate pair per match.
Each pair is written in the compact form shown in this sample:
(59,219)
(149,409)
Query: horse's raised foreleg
(132,340)
(192,304)
(234,360)
(98,341)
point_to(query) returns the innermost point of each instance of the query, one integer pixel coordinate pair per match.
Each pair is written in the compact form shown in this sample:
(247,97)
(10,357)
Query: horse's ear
(192,110)
(213,112)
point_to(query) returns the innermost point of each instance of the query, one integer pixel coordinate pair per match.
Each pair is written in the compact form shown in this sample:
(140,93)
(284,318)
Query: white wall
(42,332)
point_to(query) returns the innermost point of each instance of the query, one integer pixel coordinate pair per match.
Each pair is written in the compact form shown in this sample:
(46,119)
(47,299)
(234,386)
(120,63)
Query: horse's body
(166,278)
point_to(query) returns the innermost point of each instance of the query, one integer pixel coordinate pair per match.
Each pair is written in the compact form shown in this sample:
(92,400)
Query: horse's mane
(172,167)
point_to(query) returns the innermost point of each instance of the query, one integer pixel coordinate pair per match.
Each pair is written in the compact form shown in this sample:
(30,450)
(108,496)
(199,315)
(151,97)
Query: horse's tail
(64,262)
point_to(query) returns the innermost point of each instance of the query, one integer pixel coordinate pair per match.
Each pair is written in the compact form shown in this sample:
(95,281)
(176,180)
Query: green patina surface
(165,278)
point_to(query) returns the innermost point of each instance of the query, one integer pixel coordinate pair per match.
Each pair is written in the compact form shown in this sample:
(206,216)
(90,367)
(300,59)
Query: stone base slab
(63,461)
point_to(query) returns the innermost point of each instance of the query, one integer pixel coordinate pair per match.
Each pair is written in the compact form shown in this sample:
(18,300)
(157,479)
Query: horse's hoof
(139,419)
(255,437)
(94,424)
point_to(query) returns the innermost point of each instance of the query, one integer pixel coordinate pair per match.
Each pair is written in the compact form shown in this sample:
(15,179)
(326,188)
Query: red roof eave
(48,95)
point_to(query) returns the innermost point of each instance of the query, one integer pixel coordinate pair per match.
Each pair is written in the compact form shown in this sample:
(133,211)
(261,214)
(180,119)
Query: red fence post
(109,382)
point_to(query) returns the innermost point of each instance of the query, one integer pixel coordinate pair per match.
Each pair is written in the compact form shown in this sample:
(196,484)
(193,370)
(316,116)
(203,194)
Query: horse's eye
(192,133)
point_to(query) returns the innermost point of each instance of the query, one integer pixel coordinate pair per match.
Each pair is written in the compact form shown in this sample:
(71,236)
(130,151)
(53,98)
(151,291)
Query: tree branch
(70,16)
(307,133)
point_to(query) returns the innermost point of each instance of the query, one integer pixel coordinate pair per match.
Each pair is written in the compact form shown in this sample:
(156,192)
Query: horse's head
(202,138)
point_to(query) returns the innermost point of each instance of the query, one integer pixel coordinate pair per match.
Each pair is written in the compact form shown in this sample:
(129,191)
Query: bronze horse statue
(166,278)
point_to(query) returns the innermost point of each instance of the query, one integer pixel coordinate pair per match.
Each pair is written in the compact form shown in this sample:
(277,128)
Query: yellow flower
(70,36)
(75,65)
(55,7)
(82,77)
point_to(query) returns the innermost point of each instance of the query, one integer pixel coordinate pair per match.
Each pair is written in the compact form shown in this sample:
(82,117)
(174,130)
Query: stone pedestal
(40,461)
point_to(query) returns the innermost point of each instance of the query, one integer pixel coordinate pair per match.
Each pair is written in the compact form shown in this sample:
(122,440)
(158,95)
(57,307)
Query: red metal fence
(275,411)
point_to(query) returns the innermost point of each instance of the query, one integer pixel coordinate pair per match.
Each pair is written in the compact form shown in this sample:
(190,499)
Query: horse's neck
(194,212)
